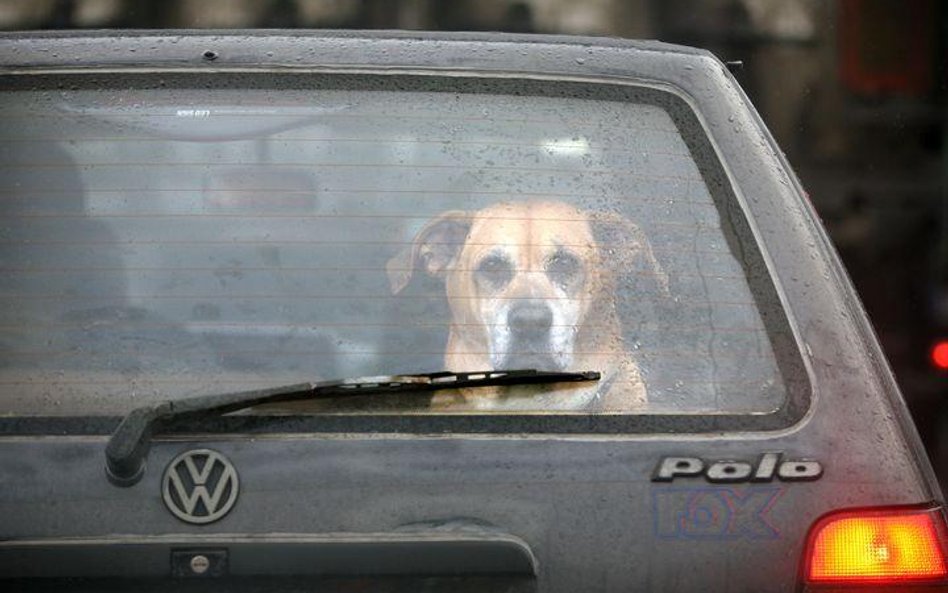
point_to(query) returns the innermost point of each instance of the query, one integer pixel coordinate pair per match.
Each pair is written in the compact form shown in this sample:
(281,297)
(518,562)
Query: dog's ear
(435,246)
(634,249)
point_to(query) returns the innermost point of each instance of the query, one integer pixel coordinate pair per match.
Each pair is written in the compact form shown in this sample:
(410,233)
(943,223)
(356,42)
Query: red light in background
(940,354)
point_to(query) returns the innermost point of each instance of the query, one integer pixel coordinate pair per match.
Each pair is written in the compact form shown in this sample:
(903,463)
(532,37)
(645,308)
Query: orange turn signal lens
(878,547)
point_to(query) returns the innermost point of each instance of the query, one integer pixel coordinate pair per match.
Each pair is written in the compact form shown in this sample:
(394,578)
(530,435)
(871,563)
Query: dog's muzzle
(531,346)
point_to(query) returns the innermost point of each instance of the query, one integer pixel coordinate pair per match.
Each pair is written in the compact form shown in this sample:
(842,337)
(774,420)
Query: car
(353,311)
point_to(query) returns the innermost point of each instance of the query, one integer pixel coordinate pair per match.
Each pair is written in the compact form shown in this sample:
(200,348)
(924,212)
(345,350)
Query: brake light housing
(881,547)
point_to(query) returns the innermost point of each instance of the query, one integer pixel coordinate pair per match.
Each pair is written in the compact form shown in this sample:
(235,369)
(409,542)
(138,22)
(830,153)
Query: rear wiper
(128,446)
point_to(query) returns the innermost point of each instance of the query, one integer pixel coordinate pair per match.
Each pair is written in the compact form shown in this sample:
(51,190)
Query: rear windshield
(158,243)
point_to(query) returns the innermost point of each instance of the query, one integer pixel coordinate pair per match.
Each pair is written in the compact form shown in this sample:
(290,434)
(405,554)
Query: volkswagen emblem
(200,486)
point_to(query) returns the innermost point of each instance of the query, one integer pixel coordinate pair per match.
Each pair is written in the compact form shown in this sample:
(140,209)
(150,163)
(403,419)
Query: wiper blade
(128,446)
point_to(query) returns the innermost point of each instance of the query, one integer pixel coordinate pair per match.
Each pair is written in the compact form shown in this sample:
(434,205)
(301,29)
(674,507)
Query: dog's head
(523,279)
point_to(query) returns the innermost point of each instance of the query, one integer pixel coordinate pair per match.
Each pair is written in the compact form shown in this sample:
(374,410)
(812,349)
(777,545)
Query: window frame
(793,367)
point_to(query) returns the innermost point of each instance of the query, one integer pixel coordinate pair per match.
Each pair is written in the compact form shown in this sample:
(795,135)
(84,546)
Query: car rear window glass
(159,243)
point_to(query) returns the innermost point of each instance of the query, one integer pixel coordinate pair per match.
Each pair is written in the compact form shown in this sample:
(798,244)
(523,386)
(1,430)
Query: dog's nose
(530,320)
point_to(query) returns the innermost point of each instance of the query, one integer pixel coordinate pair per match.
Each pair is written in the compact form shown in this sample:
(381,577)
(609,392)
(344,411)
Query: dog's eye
(564,268)
(495,271)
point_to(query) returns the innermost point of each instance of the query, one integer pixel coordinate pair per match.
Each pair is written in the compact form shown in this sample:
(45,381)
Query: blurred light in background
(940,355)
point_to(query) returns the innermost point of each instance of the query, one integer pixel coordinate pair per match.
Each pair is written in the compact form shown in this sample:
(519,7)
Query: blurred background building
(853,90)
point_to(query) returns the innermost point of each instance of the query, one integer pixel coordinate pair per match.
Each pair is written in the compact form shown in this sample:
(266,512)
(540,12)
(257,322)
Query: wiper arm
(128,446)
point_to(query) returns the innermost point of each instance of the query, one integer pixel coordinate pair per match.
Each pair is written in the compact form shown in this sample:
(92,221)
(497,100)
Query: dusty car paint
(567,501)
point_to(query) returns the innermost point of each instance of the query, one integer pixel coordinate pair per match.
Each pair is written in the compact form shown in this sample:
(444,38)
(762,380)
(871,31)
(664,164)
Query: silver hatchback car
(429,312)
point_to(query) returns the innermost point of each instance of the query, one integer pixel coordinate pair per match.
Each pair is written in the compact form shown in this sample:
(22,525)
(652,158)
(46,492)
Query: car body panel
(584,504)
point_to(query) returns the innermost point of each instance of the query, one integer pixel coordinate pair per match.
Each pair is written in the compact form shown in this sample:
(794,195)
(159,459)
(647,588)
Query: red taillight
(897,546)
(940,355)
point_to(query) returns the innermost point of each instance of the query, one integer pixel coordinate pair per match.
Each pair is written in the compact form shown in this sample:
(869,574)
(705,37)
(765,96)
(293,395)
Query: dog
(529,286)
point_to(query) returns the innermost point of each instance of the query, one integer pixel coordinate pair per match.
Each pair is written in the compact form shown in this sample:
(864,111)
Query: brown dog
(529,287)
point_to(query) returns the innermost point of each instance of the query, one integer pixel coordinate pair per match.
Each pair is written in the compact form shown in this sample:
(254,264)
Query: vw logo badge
(200,486)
